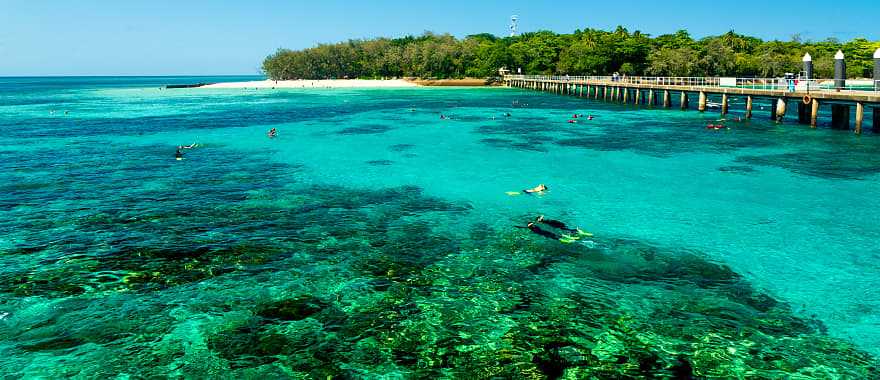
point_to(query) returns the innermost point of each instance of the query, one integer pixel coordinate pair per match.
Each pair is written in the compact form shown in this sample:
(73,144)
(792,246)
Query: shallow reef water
(344,248)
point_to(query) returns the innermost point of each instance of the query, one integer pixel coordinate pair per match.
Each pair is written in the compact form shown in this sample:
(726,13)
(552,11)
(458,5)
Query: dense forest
(584,52)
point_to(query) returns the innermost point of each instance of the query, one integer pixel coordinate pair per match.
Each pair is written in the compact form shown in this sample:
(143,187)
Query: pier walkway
(654,91)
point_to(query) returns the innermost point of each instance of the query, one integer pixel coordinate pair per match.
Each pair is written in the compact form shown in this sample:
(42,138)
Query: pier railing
(775,84)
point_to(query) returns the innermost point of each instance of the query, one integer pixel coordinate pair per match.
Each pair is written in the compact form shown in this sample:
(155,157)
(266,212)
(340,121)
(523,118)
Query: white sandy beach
(328,83)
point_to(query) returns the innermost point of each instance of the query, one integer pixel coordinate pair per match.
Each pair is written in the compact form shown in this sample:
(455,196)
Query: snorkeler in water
(561,226)
(531,226)
(190,146)
(540,189)
(178,155)
(272,133)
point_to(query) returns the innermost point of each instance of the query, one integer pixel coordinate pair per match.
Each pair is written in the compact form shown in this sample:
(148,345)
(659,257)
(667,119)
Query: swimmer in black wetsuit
(560,226)
(178,155)
(534,228)
(562,238)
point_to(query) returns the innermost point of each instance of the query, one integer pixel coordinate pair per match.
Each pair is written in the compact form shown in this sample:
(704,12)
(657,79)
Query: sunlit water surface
(373,238)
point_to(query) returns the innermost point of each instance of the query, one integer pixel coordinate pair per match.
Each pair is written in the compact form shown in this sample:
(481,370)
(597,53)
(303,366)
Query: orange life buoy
(807,99)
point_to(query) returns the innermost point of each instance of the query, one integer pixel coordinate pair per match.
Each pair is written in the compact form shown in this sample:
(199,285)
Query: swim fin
(513,193)
(566,240)
(583,233)
(570,237)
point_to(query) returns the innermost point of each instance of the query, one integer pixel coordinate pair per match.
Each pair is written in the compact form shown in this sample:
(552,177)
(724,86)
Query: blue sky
(160,37)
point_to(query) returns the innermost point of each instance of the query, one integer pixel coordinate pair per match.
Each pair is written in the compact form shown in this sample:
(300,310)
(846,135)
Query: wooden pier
(804,95)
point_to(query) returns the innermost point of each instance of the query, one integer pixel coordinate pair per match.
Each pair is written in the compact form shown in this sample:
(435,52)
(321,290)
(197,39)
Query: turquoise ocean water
(371,238)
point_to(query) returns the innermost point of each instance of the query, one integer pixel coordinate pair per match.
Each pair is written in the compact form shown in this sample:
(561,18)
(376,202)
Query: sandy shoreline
(327,83)
(353,83)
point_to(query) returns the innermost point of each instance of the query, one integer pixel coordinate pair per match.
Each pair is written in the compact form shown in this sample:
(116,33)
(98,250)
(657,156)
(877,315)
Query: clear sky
(161,37)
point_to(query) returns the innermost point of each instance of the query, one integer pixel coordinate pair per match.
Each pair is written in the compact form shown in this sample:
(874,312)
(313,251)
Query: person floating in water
(178,155)
(562,237)
(561,226)
(272,133)
(190,146)
(507,114)
(531,226)
(572,121)
(540,189)
(589,117)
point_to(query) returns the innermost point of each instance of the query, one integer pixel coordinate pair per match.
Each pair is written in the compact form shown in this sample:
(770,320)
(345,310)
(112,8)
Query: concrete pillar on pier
(840,116)
(724,104)
(625,95)
(748,107)
(701,106)
(876,119)
(803,113)
(638,97)
(780,109)
(605,93)
(876,76)
(650,97)
(839,70)
(667,101)
(814,113)
(808,66)
(684,100)
(860,116)
(581,94)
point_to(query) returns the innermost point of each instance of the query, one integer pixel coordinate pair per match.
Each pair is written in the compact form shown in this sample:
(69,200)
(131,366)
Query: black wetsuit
(178,155)
(558,224)
(534,228)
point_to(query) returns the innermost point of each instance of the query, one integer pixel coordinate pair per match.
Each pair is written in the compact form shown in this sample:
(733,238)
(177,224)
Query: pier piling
(803,113)
(876,119)
(814,113)
(701,106)
(724,104)
(684,100)
(839,71)
(667,101)
(876,73)
(860,115)
(780,109)
(748,107)
(839,116)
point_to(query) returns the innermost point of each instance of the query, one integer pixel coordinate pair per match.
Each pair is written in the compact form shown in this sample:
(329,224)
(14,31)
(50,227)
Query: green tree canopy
(584,52)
